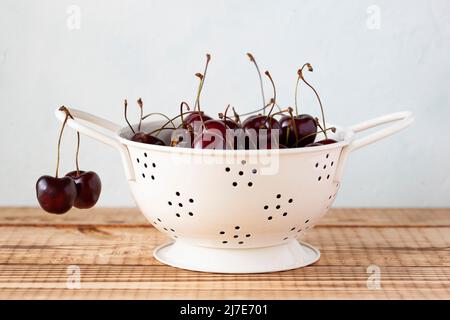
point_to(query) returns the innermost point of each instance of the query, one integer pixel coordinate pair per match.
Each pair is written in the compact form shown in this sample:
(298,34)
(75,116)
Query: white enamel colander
(234,211)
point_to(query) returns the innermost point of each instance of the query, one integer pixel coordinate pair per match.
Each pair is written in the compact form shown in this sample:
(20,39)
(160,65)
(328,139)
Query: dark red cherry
(56,195)
(259,122)
(88,185)
(232,124)
(305,126)
(147,138)
(327,141)
(194,117)
(315,144)
(212,136)
(321,143)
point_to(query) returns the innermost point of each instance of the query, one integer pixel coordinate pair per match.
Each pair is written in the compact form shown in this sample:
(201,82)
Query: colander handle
(401,119)
(88,127)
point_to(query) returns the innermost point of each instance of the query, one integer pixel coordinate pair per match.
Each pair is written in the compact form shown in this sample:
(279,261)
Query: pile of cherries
(258,131)
(80,189)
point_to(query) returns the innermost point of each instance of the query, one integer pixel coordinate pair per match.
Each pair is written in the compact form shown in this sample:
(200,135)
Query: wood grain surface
(113,250)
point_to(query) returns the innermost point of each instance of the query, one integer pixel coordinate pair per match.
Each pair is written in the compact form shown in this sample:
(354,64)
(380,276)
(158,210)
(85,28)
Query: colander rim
(348,136)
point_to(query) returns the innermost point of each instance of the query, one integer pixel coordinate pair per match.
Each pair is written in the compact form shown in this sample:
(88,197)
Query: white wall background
(127,49)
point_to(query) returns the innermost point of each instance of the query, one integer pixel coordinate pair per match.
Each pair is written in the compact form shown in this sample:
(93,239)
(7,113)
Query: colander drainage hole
(278,206)
(317,164)
(191,200)
(222,232)
(248,235)
(145,165)
(153,177)
(329,198)
(177,194)
(307,221)
(137,160)
(145,154)
(241,173)
(285,239)
(234,184)
(153,165)
(250,184)
(224,241)
(170,203)
(241,242)
(191,214)
(269,218)
(227,169)
(285,214)
(237,227)
(293,228)
(290,200)
(319,178)
(158,219)
(180,204)
(254,171)
(235,236)
(177,214)
(143,175)
(328,177)
(266,207)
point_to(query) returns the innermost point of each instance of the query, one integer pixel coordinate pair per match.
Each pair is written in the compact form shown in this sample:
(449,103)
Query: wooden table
(112,249)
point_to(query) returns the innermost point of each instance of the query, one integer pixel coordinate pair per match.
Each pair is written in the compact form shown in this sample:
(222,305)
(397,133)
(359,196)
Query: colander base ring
(282,257)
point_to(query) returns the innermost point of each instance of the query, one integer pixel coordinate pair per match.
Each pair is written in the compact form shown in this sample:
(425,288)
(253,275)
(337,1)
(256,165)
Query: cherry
(141,137)
(315,144)
(147,138)
(327,141)
(56,195)
(294,128)
(230,123)
(88,186)
(213,135)
(193,117)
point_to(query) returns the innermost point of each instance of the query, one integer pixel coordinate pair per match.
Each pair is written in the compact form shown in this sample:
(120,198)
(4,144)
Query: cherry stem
(171,121)
(274,92)
(202,80)
(255,111)
(295,127)
(141,106)
(183,103)
(237,118)
(77,154)
(299,73)
(68,115)
(59,144)
(125,103)
(159,114)
(333,129)
(252,59)
(317,95)
(225,116)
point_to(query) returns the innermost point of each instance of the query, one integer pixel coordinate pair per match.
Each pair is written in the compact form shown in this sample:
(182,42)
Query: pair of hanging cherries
(296,131)
(80,189)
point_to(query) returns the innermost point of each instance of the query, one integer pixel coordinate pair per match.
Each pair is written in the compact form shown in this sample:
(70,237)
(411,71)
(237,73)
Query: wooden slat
(114,255)
(132,217)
